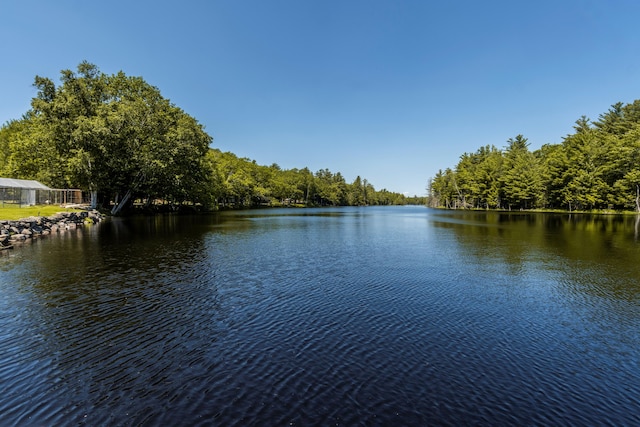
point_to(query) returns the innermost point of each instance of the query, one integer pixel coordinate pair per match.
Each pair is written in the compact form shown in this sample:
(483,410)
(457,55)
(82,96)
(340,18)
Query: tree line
(595,168)
(117,138)
(242,182)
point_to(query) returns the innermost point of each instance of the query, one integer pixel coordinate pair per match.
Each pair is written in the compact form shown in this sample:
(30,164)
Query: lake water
(346,316)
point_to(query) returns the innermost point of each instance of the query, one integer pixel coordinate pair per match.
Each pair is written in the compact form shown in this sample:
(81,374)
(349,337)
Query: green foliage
(111,134)
(522,177)
(240,182)
(594,168)
(116,137)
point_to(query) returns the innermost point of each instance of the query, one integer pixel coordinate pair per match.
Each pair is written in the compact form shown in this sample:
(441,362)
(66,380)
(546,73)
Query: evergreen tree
(522,178)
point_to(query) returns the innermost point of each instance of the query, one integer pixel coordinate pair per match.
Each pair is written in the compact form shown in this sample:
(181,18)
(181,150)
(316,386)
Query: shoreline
(544,211)
(22,230)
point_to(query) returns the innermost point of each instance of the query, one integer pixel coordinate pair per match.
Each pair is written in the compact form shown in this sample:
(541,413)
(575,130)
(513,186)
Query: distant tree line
(117,138)
(241,182)
(595,168)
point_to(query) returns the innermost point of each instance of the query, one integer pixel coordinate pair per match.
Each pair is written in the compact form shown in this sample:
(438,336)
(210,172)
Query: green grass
(13,212)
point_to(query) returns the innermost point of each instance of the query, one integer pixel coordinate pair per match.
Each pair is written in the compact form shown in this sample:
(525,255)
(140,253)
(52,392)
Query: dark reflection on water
(350,316)
(598,250)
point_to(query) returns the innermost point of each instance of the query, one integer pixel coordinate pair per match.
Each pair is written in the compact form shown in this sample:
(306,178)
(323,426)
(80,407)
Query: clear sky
(389,90)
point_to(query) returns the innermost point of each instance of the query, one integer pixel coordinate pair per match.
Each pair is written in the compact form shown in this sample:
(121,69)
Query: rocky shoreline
(22,230)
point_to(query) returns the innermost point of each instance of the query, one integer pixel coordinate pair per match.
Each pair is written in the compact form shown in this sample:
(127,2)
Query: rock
(26,229)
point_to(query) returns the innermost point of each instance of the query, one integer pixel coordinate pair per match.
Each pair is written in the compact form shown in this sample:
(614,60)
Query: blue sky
(388,90)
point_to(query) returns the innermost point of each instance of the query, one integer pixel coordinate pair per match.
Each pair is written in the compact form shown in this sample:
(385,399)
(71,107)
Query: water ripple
(310,320)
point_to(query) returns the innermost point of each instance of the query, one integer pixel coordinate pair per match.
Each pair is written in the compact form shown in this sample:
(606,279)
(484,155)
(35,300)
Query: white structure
(25,192)
(22,191)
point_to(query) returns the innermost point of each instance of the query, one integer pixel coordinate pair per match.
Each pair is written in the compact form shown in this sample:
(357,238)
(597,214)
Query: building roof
(26,184)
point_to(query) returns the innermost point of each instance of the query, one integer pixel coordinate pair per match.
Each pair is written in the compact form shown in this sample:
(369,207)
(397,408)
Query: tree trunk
(637,198)
(94,199)
(118,206)
(125,199)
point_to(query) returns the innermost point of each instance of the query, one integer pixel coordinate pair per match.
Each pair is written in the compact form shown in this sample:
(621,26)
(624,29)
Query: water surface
(344,316)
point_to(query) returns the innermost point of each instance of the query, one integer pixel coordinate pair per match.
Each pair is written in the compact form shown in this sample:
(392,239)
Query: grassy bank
(13,212)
